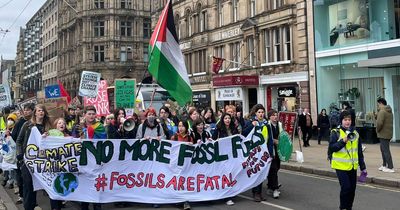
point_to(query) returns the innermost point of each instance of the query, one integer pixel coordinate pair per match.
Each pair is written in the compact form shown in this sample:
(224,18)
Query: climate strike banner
(146,171)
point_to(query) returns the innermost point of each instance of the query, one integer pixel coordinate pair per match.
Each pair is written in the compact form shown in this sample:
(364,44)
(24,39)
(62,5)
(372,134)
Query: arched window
(188,23)
(177,26)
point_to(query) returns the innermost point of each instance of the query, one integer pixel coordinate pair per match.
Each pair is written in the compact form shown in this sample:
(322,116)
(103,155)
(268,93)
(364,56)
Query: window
(277,45)
(177,26)
(123,54)
(235,54)
(146,53)
(99,4)
(125,4)
(288,49)
(267,46)
(99,28)
(220,16)
(188,62)
(250,48)
(98,53)
(234,10)
(146,28)
(274,4)
(126,28)
(203,21)
(252,8)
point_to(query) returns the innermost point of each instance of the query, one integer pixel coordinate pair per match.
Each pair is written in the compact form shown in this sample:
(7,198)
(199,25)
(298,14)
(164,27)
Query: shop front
(201,99)
(236,90)
(286,92)
(356,42)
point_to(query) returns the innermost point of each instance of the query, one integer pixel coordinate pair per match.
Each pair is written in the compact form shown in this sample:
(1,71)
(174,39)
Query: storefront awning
(384,62)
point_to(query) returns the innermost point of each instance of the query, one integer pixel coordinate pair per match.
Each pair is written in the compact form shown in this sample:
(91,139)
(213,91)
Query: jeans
(29,194)
(348,183)
(386,155)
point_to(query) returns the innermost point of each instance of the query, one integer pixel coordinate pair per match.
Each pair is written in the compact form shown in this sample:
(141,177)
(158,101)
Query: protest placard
(54,106)
(289,122)
(89,84)
(52,91)
(29,100)
(5,97)
(125,93)
(101,101)
(146,171)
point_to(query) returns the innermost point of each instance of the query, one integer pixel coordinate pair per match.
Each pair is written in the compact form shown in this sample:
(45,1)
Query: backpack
(144,129)
(334,118)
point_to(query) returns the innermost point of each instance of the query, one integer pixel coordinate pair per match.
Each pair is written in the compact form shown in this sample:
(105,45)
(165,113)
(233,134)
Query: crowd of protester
(191,125)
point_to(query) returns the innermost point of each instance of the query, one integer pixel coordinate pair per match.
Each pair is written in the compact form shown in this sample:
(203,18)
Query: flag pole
(152,49)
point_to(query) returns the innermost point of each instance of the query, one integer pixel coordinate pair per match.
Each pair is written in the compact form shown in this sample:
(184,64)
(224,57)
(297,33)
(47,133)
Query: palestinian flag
(166,64)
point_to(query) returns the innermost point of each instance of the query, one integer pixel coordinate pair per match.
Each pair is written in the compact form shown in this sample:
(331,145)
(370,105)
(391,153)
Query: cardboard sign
(55,106)
(89,84)
(125,93)
(29,100)
(101,101)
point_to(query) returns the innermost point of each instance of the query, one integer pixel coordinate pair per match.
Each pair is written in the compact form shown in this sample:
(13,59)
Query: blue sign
(52,91)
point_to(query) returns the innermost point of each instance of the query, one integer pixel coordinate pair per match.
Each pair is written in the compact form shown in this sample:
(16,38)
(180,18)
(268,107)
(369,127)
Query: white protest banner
(89,84)
(146,171)
(5,97)
(101,101)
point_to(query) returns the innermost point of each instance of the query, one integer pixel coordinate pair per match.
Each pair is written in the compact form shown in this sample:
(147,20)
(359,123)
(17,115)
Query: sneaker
(381,168)
(186,206)
(230,203)
(388,170)
(276,194)
(19,201)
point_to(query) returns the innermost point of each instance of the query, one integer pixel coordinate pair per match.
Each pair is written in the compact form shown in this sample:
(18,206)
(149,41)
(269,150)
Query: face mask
(151,119)
(10,123)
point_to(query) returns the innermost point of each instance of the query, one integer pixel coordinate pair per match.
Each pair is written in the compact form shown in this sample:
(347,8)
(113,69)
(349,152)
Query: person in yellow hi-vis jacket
(257,118)
(345,154)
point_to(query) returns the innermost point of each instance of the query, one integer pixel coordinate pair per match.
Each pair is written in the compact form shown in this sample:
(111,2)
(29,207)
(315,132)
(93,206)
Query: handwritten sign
(125,93)
(89,84)
(101,101)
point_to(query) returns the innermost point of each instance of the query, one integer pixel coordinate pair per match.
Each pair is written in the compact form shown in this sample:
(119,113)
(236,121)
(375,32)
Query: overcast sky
(8,14)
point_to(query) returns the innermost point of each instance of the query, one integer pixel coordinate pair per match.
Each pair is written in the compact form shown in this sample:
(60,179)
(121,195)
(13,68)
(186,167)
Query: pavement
(315,162)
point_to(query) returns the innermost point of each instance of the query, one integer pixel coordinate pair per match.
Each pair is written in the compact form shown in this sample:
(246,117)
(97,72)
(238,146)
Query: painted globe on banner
(65,183)
(285,146)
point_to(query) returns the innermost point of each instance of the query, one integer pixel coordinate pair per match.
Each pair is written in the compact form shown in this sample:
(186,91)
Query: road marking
(335,180)
(266,203)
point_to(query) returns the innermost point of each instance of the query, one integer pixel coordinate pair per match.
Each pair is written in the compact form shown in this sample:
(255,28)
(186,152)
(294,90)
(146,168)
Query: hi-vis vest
(347,158)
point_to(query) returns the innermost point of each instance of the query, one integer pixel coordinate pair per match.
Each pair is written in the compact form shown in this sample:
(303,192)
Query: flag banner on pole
(146,171)
(167,64)
(217,64)
(64,93)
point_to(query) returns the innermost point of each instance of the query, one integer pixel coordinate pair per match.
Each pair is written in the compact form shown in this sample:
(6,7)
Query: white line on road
(335,180)
(266,203)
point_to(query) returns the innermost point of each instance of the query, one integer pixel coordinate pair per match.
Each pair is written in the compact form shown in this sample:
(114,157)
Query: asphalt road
(298,191)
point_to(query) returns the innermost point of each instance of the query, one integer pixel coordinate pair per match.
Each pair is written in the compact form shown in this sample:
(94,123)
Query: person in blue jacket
(257,118)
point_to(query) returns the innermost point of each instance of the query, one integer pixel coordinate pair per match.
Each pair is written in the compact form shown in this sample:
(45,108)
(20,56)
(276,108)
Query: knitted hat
(12,117)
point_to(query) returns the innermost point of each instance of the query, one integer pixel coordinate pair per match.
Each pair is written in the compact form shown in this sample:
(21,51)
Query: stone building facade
(49,42)
(19,67)
(106,36)
(264,43)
